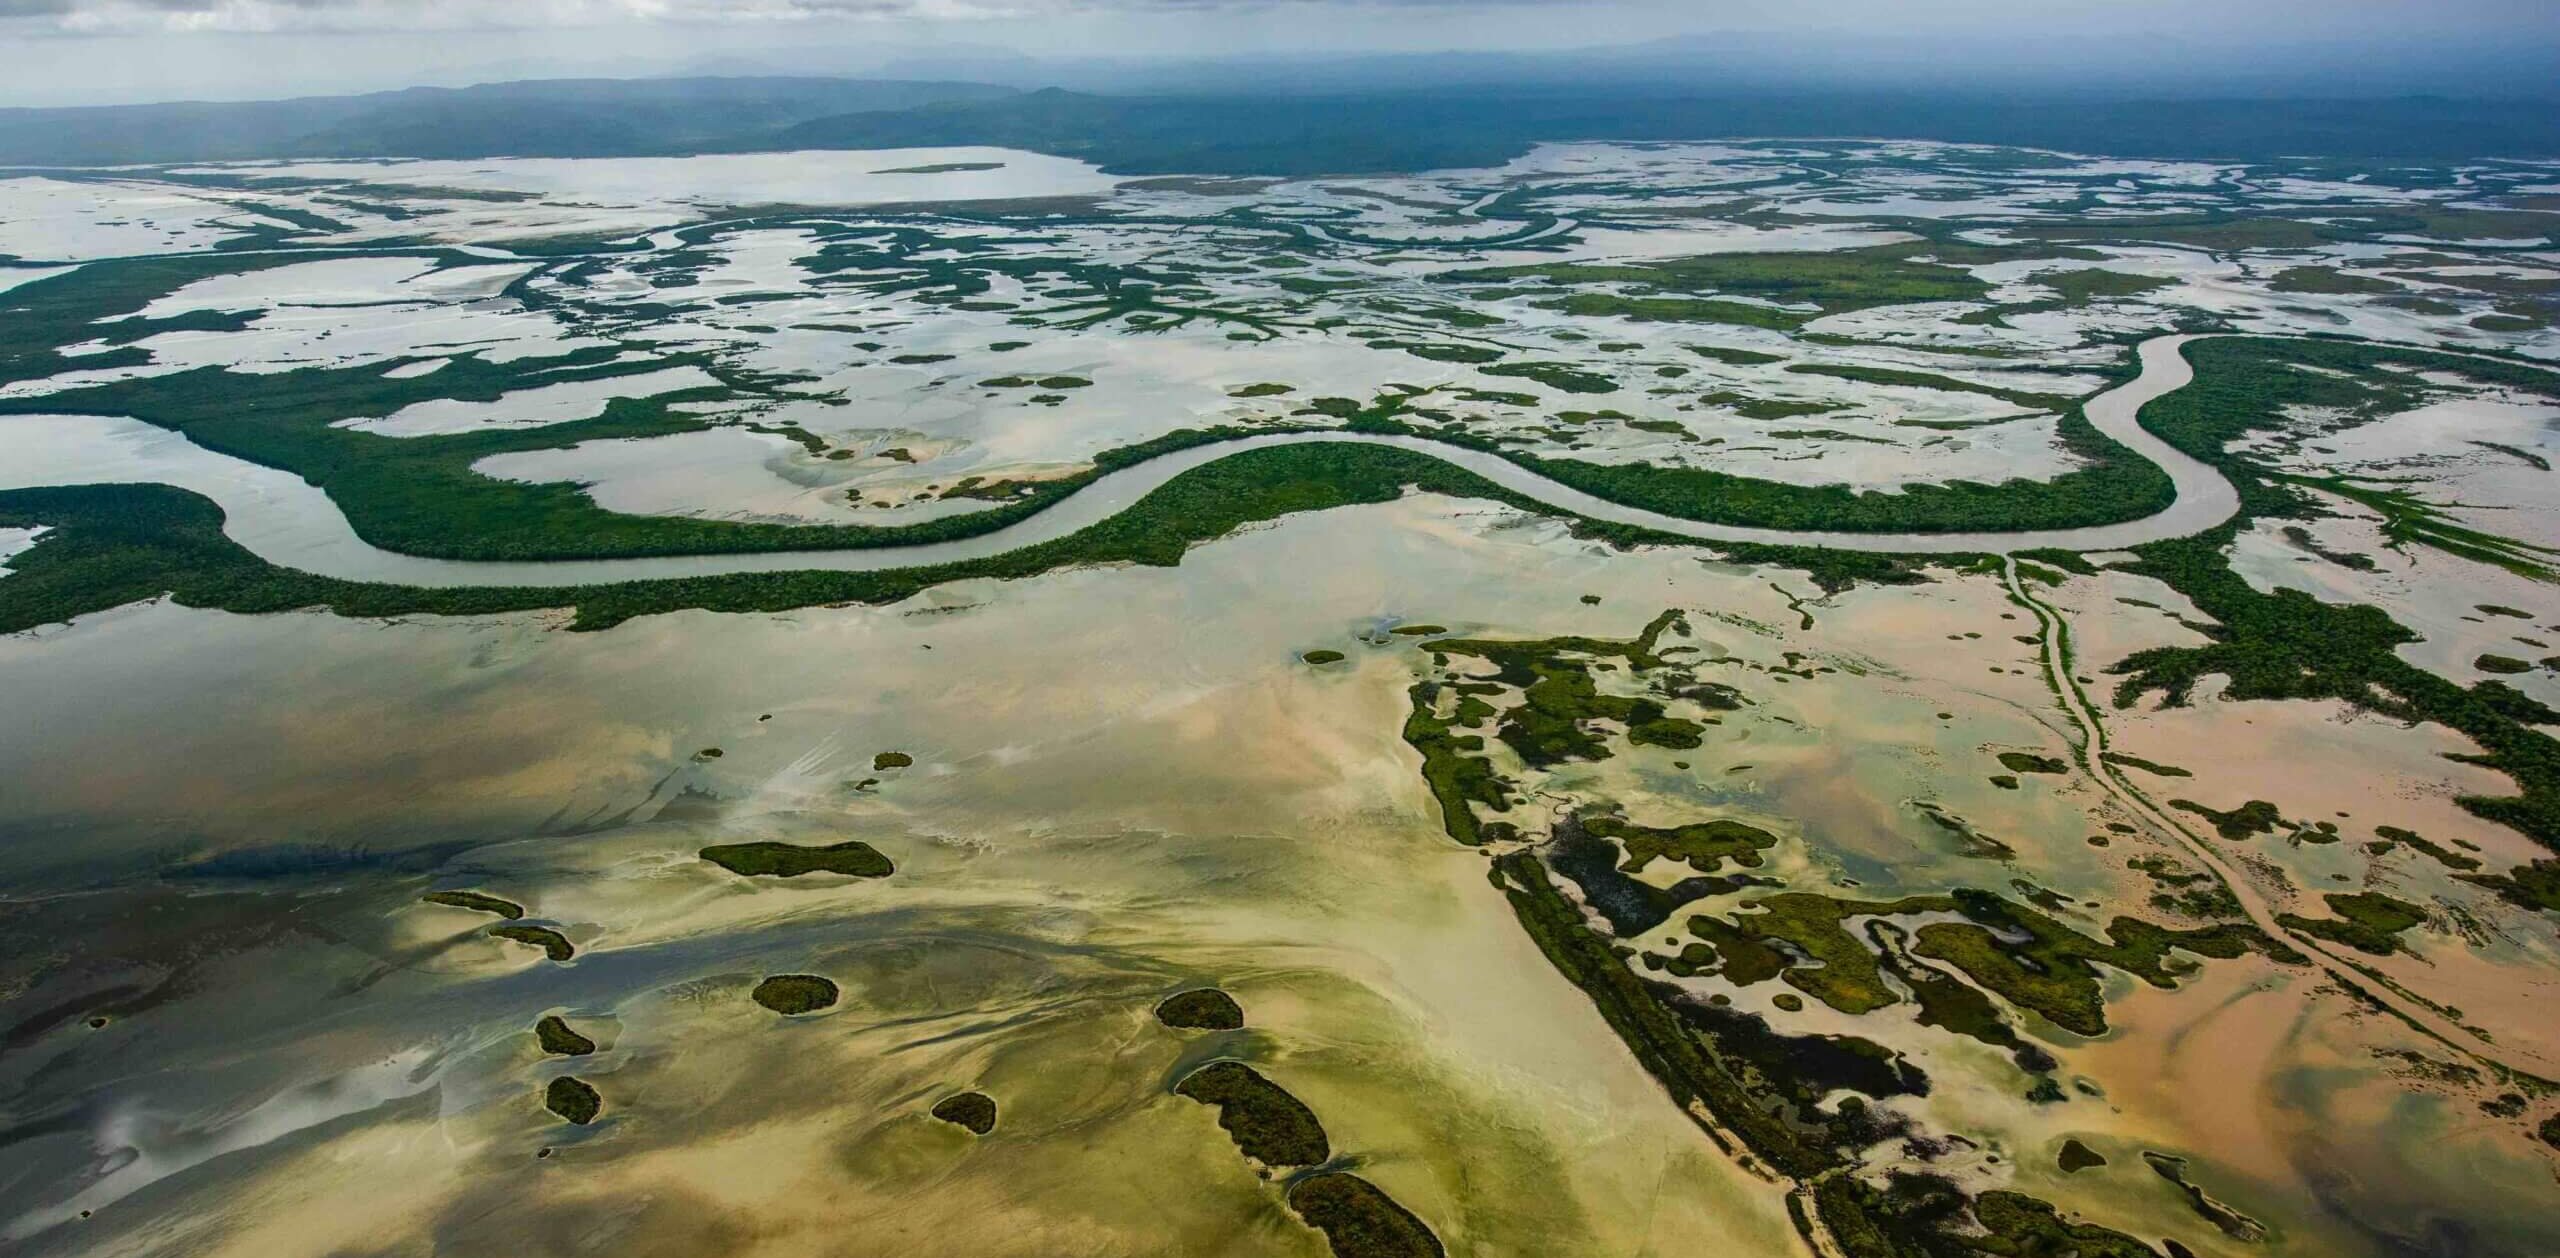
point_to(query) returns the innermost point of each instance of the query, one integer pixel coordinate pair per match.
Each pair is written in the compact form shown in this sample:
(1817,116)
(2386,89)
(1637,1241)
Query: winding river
(291,523)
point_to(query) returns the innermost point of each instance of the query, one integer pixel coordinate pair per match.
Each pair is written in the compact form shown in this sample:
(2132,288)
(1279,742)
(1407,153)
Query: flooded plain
(2114,866)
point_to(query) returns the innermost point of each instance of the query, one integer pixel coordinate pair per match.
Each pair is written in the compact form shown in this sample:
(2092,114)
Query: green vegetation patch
(1266,1122)
(553,1033)
(974,1111)
(1562,377)
(1201,1009)
(1560,699)
(2435,851)
(2367,921)
(1930,380)
(2030,762)
(553,944)
(476,902)
(1703,846)
(2124,760)
(2049,969)
(795,993)
(2329,279)
(891,760)
(573,1099)
(1359,1221)
(1443,352)
(1323,656)
(1834,282)
(784,860)
(1736,357)
(2077,1157)
(2249,820)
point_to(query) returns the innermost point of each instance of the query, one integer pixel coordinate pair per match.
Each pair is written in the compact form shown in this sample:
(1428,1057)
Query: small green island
(553,944)
(573,1099)
(795,993)
(974,1112)
(853,858)
(1201,1009)
(1267,1123)
(1358,1221)
(475,902)
(555,1036)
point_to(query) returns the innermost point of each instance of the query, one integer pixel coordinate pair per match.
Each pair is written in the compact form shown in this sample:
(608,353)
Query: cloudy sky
(99,51)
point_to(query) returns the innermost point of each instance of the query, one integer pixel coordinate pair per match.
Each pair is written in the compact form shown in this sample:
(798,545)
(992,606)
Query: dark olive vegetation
(1201,1009)
(2123,760)
(2506,664)
(2237,1226)
(2288,645)
(1849,279)
(2246,821)
(43,316)
(1561,377)
(1552,724)
(1704,846)
(573,1099)
(891,760)
(1640,1014)
(476,902)
(2550,1131)
(419,495)
(1708,1063)
(795,993)
(1736,357)
(1927,1216)
(1323,657)
(1631,905)
(2077,1157)
(2327,279)
(1820,957)
(1359,1221)
(784,860)
(555,1036)
(1750,407)
(2408,519)
(1268,1125)
(2434,851)
(2184,891)
(116,544)
(1931,380)
(2052,971)
(1953,1005)
(2367,921)
(2029,762)
(975,1111)
(553,944)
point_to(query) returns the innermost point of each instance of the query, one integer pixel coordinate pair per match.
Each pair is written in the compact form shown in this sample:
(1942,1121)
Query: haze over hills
(545,118)
(1268,132)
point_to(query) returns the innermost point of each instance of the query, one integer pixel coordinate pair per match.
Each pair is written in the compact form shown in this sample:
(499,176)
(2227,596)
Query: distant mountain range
(535,118)
(1264,132)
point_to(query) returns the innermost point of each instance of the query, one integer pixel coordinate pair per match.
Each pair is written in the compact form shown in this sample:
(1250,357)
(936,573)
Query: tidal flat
(1058,885)
(1586,888)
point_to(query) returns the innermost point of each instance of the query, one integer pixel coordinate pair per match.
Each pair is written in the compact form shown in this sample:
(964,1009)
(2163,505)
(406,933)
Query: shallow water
(292,523)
